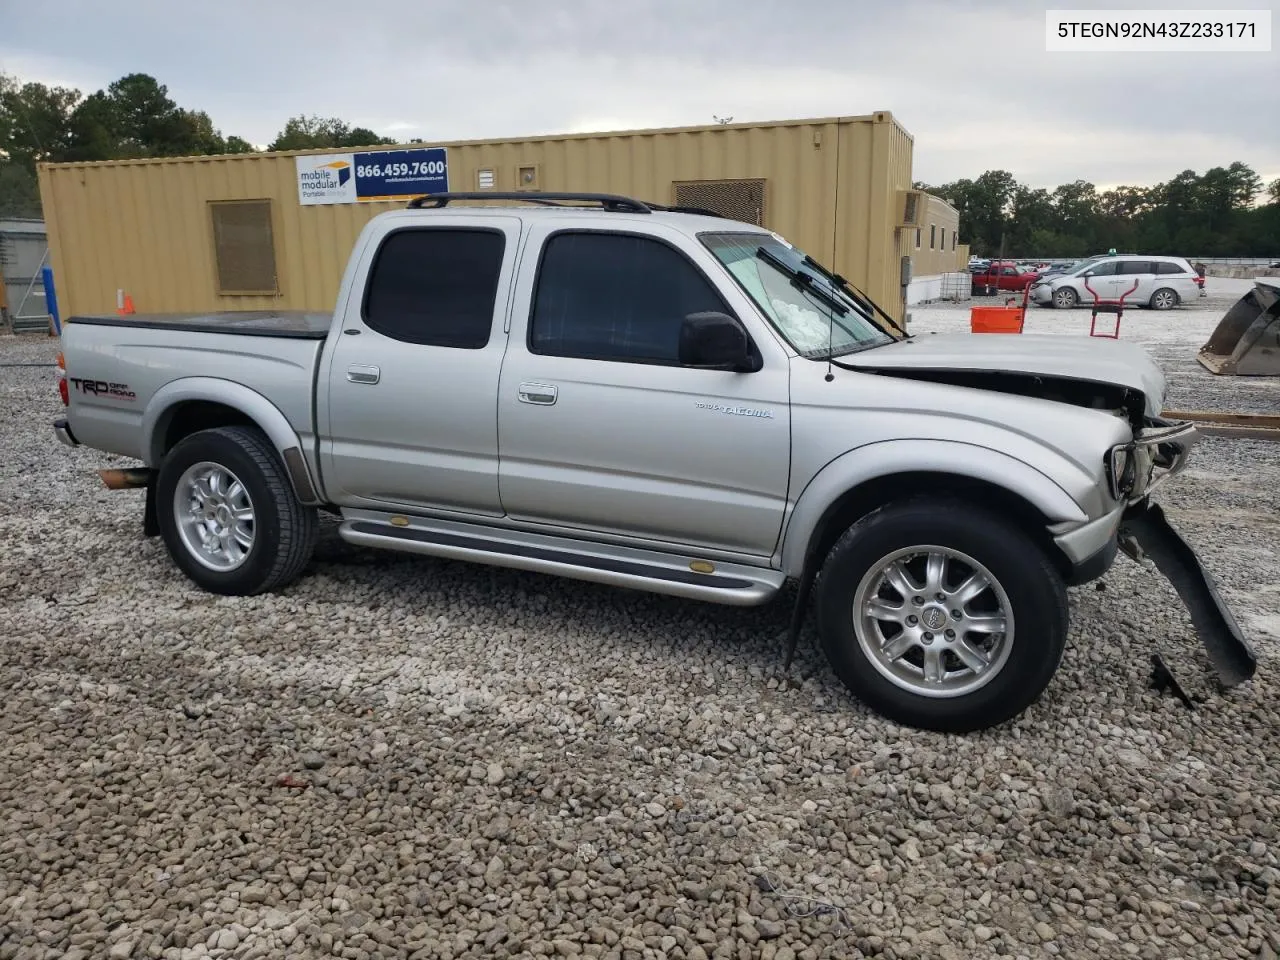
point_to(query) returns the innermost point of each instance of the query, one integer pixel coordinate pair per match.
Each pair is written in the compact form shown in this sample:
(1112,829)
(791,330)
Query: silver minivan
(1157,282)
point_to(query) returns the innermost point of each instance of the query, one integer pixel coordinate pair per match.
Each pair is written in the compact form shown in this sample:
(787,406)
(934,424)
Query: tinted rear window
(436,286)
(1134,267)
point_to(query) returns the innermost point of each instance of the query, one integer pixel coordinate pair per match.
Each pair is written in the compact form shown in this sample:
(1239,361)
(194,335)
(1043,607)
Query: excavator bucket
(1246,342)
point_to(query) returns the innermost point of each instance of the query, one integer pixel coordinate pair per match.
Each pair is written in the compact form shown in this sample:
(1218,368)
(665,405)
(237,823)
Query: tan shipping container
(151,228)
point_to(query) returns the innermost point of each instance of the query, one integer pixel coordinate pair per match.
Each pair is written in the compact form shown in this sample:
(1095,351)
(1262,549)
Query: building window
(953,240)
(917,238)
(244,247)
(942,238)
(933,235)
(619,297)
(436,286)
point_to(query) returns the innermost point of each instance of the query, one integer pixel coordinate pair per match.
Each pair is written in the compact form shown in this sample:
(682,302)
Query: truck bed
(116,365)
(297,324)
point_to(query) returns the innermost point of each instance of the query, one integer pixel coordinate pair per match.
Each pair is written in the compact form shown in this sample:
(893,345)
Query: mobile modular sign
(376,175)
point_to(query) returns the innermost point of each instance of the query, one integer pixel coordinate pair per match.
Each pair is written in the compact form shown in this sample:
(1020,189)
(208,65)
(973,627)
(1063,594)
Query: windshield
(810,311)
(1083,265)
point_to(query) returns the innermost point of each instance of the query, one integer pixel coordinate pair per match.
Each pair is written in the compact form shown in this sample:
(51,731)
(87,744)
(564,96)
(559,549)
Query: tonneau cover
(297,324)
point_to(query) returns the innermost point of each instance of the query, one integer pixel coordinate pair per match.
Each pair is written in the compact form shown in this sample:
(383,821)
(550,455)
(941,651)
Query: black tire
(285,530)
(1164,299)
(1069,298)
(1033,587)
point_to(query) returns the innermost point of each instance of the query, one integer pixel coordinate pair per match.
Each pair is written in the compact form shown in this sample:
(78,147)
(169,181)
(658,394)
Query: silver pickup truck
(662,399)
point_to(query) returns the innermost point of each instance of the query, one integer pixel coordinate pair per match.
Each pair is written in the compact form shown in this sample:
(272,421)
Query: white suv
(1161,283)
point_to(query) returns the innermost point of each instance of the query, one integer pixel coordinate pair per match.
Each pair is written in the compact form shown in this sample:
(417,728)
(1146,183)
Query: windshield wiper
(801,280)
(856,295)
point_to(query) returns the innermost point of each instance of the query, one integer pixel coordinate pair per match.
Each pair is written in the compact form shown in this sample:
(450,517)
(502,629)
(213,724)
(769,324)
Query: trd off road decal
(101,388)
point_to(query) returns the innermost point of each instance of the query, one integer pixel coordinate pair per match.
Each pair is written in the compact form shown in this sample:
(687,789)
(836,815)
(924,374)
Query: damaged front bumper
(1145,533)
(1139,528)
(1158,452)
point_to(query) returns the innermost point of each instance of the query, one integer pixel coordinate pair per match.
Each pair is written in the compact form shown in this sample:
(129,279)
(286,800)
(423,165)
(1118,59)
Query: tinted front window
(615,297)
(1104,269)
(435,286)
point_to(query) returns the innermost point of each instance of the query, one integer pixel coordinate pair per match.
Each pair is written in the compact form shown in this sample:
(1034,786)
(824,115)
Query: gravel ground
(405,757)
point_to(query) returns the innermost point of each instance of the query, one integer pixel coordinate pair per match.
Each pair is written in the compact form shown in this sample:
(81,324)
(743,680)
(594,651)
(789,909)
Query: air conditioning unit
(910,208)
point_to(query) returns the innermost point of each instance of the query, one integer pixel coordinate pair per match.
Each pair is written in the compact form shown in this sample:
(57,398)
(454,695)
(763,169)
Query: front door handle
(363,373)
(539,393)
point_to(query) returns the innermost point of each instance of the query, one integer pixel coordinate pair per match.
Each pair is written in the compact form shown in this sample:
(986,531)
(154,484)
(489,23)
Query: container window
(436,286)
(933,235)
(917,238)
(244,247)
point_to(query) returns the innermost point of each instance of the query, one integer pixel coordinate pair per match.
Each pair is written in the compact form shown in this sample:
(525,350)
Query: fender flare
(887,457)
(255,406)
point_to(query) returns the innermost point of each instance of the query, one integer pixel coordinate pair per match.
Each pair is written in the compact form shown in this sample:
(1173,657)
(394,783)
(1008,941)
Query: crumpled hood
(1088,359)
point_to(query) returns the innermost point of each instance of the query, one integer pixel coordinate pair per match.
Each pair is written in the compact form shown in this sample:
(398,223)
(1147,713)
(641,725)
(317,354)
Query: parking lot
(408,757)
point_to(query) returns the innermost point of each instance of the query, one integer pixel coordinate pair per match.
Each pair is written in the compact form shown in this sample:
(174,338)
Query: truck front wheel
(941,615)
(228,513)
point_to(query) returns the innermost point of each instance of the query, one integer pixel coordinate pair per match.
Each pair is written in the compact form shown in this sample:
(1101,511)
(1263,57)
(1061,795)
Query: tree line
(132,117)
(1224,212)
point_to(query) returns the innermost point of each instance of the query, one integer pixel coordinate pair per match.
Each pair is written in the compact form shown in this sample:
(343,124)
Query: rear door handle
(539,393)
(363,373)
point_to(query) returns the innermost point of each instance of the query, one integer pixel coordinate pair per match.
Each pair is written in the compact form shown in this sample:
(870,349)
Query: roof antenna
(831,322)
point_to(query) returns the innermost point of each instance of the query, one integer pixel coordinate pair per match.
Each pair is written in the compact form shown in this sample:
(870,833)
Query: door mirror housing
(717,341)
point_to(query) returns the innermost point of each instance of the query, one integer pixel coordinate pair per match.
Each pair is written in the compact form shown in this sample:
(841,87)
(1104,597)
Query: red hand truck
(1107,306)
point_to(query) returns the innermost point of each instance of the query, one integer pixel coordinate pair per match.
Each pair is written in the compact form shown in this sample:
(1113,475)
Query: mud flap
(150,516)
(1230,652)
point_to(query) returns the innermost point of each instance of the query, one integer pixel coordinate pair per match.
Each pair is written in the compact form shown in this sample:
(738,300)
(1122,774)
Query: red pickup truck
(1004,275)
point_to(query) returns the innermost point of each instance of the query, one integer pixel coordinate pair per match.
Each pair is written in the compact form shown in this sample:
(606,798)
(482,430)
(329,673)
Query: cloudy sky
(970,80)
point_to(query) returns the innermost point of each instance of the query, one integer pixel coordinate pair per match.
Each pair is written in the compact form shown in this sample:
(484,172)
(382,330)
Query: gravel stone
(655,761)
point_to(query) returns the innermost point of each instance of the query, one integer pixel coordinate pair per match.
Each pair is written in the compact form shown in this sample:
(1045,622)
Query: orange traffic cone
(124,303)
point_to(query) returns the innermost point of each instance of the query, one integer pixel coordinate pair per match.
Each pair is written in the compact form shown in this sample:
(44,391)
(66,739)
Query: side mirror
(1088,273)
(716,341)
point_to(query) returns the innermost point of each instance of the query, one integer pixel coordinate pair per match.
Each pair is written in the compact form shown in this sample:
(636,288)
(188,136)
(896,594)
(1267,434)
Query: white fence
(943,286)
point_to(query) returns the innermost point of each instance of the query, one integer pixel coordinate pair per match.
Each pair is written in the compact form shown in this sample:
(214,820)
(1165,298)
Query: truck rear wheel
(228,513)
(940,615)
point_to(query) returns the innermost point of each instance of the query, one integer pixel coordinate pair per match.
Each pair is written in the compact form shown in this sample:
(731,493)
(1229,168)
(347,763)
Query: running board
(679,576)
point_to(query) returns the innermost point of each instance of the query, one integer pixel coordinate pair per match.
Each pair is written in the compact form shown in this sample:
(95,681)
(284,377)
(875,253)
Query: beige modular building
(251,232)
